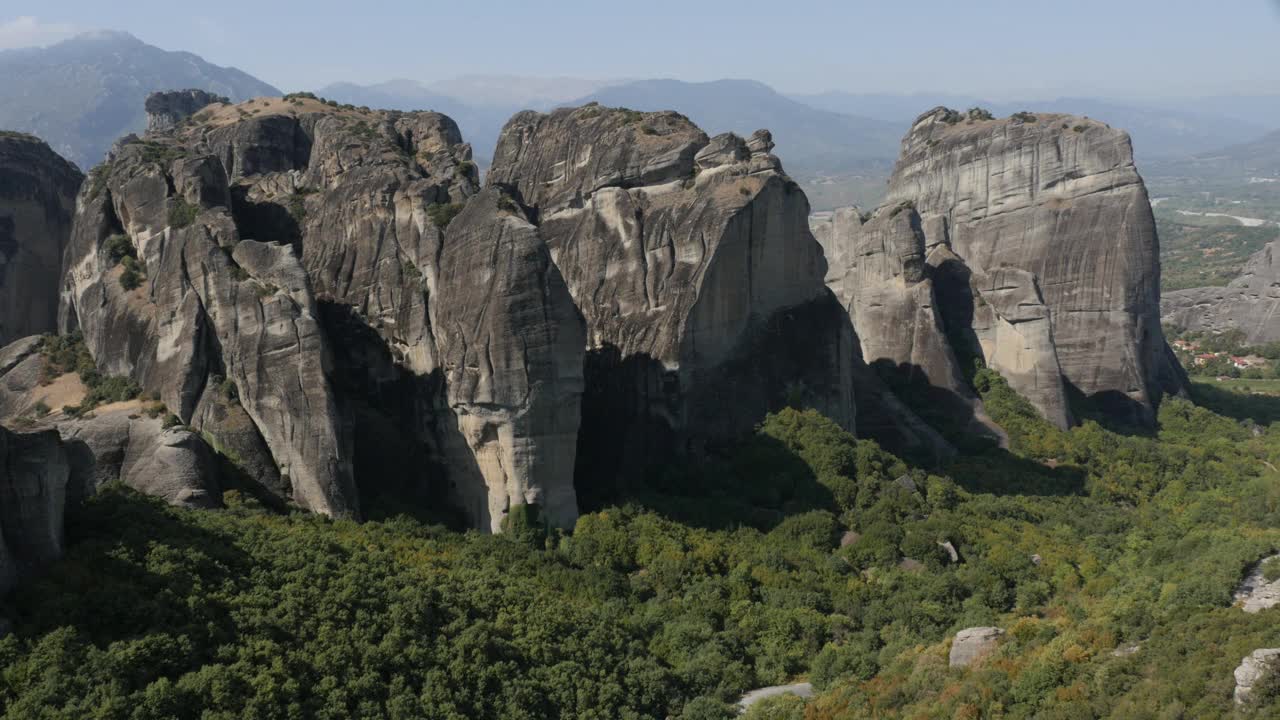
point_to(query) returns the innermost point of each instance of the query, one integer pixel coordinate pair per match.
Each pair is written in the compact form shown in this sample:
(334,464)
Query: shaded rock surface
(971,644)
(1037,238)
(211,308)
(1250,303)
(37,200)
(1252,668)
(692,264)
(33,485)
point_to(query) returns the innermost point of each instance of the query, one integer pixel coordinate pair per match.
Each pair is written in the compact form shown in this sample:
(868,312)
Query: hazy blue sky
(991,47)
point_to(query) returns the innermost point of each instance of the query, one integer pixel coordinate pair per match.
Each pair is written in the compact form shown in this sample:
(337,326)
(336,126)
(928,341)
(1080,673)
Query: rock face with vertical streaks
(37,199)
(692,264)
(1038,240)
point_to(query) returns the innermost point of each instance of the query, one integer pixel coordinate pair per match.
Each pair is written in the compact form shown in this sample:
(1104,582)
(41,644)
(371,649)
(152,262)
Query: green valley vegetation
(803,553)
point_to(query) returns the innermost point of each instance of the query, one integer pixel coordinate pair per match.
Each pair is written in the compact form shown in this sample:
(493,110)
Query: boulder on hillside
(1255,666)
(972,644)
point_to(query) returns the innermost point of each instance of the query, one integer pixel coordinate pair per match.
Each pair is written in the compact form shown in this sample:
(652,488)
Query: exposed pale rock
(211,305)
(1250,303)
(691,261)
(1255,594)
(116,443)
(511,344)
(1253,668)
(37,199)
(1059,199)
(972,644)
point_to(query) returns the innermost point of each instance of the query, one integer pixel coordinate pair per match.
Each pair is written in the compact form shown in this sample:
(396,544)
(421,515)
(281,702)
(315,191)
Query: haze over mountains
(81,94)
(102,77)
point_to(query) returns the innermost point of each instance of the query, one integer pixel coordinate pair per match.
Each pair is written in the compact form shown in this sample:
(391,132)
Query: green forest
(804,553)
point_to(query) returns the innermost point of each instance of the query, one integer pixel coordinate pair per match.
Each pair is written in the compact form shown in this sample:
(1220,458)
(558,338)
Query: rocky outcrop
(167,291)
(692,264)
(318,303)
(1250,303)
(972,644)
(37,199)
(33,485)
(877,268)
(167,109)
(1040,244)
(511,343)
(1254,667)
(1255,592)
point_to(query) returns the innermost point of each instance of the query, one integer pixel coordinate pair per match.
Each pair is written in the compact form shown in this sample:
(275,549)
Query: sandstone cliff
(37,199)
(314,298)
(167,290)
(1038,235)
(1250,303)
(692,264)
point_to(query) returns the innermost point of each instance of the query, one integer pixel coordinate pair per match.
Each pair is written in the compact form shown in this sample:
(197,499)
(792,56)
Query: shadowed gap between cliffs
(668,441)
(392,413)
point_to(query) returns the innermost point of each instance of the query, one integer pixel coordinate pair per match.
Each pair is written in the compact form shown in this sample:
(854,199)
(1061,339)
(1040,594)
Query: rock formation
(37,199)
(167,109)
(972,644)
(692,264)
(312,297)
(1255,593)
(1037,237)
(511,344)
(33,485)
(1250,303)
(167,291)
(124,441)
(1253,668)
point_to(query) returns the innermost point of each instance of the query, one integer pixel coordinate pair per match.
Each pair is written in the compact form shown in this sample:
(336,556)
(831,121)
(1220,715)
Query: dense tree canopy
(803,553)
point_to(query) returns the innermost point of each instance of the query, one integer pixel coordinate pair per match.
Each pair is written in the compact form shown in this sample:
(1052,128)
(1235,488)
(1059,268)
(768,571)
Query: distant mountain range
(1159,131)
(81,94)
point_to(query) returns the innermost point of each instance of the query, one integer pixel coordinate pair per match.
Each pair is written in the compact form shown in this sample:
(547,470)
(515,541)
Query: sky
(994,48)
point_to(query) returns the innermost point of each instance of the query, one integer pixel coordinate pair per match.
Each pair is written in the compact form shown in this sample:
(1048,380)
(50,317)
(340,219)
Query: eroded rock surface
(1250,303)
(972,644)
(1253,668)
(692,264)
(511,343)
(1037,237)
(37,199)
(1255,593)
(210,307)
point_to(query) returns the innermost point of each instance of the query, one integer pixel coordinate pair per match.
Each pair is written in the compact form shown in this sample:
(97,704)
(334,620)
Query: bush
(441,214)
(1271,569)
(182,213)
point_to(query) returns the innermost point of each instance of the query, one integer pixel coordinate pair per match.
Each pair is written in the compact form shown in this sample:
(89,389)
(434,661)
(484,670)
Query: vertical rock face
(211,310)
(33,486)
(511,344)
(166,109)
(972,644)
(1050,218)
(37,199)
(692,264)
(1250,303)
(303,300)
(878,271)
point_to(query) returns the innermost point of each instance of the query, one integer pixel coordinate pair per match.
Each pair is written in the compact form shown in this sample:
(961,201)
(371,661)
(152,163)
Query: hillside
(81,94)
